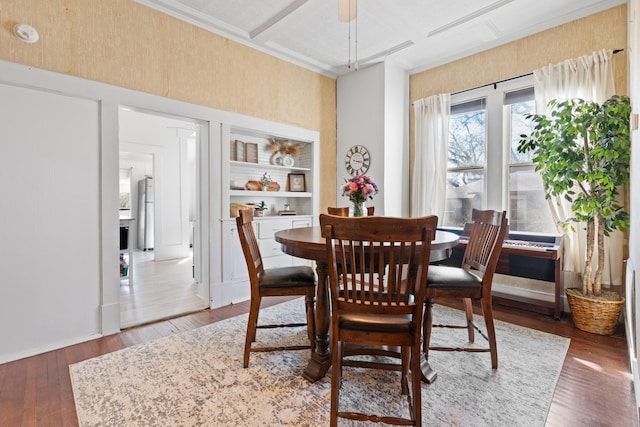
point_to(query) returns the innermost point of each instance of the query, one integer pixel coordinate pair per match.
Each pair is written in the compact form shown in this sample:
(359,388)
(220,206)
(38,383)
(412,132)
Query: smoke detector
(26,33)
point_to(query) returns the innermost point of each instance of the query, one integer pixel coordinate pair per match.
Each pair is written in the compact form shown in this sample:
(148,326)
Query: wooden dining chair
(344,211)
(280,281)
(374,311)
(471,281)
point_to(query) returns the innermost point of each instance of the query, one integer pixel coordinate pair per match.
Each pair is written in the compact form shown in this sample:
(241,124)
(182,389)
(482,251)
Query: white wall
(49,224)
(360,121)
(633,283)
(396,141)
(372,111)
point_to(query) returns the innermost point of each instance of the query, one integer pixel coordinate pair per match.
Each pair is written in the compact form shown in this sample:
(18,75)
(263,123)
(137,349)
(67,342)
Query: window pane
(467,135)
(520,125)
(528,208)
(465,191)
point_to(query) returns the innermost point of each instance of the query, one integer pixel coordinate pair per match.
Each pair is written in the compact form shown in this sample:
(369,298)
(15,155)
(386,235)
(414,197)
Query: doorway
(161,153)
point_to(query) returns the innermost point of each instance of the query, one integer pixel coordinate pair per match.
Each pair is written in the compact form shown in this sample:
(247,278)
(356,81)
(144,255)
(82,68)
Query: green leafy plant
(265,180)
(583,152)
(261,206)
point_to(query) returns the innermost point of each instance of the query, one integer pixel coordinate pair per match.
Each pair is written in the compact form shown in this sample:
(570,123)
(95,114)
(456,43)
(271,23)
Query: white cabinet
(235,286)
(252,140)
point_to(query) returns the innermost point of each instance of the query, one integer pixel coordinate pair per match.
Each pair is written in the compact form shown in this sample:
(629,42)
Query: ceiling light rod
(347,10)
(356,42)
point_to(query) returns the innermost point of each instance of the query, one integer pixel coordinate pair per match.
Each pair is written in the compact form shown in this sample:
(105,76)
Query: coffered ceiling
(415,34)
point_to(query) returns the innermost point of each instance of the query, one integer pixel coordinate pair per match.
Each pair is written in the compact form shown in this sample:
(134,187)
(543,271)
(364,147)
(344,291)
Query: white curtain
(591,78)
(429,181)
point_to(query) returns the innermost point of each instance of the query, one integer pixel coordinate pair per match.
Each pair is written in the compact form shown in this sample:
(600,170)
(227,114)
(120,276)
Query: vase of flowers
(358,189)
(265,181)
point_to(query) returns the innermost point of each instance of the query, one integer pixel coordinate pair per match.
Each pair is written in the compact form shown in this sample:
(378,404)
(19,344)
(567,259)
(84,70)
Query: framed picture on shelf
(239,151)
(297,182)
(251,152)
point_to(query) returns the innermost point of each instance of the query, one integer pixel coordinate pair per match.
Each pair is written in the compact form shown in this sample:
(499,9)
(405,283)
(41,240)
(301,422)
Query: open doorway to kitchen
(161,259)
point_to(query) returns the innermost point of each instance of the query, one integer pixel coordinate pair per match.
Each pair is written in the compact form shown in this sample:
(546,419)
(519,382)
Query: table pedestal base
(317,367)
(428,374)
(321,358)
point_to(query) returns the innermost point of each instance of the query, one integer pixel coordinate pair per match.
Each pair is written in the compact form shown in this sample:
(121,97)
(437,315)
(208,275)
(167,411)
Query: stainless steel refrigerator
(145,213)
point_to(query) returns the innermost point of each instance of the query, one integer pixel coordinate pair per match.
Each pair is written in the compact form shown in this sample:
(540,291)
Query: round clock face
(357,160)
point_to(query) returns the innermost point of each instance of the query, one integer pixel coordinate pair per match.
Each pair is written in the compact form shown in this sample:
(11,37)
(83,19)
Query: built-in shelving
(250,155)
(258,134)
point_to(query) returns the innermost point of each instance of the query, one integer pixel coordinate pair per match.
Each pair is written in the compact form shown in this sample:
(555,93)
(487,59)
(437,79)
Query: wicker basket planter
(594,315)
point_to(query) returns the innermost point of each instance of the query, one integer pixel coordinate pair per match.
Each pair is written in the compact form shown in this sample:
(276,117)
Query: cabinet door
(234,265)
(300,223)
(269,228)
(269,248)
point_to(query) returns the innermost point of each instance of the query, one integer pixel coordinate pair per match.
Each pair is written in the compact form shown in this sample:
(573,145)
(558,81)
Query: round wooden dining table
(308,243)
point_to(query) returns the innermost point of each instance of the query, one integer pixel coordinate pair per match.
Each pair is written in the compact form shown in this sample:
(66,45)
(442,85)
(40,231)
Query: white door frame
(110,98)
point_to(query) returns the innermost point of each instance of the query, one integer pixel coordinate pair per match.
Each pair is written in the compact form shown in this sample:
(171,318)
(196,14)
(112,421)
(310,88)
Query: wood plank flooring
(594,389)
(161,289)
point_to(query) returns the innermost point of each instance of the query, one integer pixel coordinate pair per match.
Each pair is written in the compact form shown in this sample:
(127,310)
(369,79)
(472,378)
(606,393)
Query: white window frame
(497,156)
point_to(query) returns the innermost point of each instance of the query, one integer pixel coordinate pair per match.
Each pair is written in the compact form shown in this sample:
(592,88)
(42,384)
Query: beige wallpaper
(123,43)
(605,30)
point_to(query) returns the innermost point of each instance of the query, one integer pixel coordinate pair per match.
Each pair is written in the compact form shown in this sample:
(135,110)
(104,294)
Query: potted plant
(582,150)
(265,181)
(260,208)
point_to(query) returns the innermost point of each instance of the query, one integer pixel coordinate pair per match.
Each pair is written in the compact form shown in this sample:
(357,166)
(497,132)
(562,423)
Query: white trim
(496,155)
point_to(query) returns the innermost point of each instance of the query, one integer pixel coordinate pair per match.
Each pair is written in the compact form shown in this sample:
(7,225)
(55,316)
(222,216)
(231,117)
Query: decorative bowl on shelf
(273,186)
(254,186)
(288,161)
(276,159)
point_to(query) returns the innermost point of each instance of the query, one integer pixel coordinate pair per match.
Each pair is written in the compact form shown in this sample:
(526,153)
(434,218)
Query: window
(466,166)
(485,170)
(527,206)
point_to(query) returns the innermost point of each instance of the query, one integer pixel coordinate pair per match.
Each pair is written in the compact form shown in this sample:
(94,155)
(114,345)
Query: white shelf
(269,193)
(237,173)
(250,165)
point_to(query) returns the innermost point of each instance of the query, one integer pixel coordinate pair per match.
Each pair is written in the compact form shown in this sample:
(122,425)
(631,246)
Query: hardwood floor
(594,388)
(161,289)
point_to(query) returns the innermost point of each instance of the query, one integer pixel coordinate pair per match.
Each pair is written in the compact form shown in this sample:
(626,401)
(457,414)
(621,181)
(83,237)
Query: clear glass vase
(358,209)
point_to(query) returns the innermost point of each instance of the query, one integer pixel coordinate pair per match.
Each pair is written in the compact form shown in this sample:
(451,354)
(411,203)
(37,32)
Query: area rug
(196,378)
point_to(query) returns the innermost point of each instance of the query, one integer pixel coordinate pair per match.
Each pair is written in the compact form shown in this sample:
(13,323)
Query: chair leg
(336,381)
(427,321)
(252,324)
(468,310)
(416,384)
(311,319)
(487,312)
(406,367)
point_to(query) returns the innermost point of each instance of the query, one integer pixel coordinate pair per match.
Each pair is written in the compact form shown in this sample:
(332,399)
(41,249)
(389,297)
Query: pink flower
(359,188)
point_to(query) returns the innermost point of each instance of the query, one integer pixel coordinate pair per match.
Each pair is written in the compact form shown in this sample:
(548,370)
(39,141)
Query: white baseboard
(4,358)
(530,296)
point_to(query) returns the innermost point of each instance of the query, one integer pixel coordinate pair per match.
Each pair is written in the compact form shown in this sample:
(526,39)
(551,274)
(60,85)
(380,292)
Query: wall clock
(357,160)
